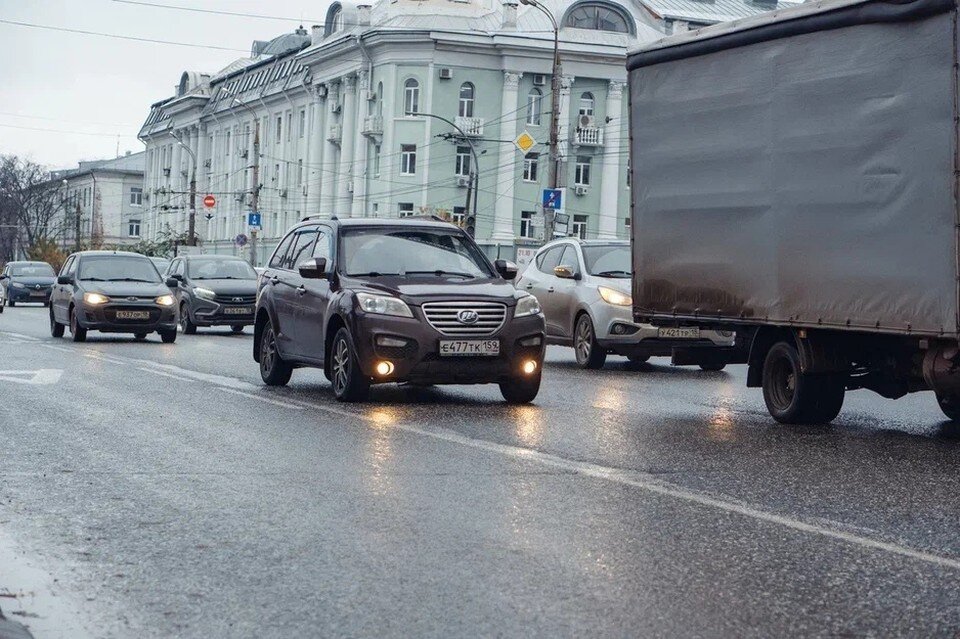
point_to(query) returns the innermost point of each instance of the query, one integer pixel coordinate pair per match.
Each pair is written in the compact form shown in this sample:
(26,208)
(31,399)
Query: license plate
(679,333)
(37,294)
(238,310)
(480,348)
(139,315)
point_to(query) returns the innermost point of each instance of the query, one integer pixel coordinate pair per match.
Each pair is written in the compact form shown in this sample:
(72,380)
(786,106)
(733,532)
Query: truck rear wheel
(793,397)
(950,405)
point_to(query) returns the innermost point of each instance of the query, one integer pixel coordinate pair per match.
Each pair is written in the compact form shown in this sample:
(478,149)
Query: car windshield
(117,268)
(220,269)
(411,252)
(31,270)
(608,260)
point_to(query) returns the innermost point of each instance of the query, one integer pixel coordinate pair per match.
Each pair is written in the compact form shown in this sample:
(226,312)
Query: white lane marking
(40,377)
(28,338)
(260,398)
(153,371)
(177,372)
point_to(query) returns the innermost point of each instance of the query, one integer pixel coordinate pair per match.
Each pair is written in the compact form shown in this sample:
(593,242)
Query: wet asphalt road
(171,494)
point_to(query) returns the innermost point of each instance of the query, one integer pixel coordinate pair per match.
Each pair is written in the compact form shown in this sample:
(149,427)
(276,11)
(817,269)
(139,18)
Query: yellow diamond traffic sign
(525,142)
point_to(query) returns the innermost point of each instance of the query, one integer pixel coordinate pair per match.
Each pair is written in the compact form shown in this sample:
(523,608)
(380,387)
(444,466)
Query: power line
(40,117)
(222,13)
(102,135)
(119,37)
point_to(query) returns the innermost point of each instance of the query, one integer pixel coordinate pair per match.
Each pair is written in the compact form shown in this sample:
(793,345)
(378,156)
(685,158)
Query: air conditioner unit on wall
(586,121)
(446,73)
(539,80)
(350,186)
(207,163)
(581,190)
(463,180)
(244,153)
(283,193)
(371,96)
(334,107)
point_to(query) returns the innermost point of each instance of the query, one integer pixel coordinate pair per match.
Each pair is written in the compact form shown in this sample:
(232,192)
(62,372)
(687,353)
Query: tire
(950,405)
(186,324)
(11,303)
(56,328)
(237,328)
(793,397)
(78,332)
(349,383)
(589,353)
(520,390)
(168,337)
(713,367)
(139,336)
(273,370)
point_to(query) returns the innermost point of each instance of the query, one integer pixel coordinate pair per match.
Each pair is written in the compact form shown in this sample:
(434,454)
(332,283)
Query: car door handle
(301,290)
(550,290)
(274,280)
(529,285)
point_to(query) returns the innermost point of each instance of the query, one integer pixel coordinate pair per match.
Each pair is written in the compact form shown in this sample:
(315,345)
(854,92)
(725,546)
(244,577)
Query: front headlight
(383,305)
(95,299)
(527,305)
(205,293)
(17,285)
(166,300)
(615,297)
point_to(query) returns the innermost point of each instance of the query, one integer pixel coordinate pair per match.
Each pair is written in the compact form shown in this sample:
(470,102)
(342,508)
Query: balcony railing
(470,126)
(590,136)
(372,125)
(335,133)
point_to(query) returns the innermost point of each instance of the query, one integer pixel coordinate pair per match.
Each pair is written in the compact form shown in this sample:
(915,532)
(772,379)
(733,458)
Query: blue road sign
(553,199)
(253,220)
(240,240)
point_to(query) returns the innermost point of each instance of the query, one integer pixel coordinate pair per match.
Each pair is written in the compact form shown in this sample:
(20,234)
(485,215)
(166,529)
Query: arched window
(336,21)
(586,104)
(466,100)
(534,106)
(599,16)
(380,98)
(411,97)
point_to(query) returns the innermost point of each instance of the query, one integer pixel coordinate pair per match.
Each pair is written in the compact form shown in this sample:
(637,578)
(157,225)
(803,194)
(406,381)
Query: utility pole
(255,196)
(77,231)
(192,219)
(554,175)
(470,210)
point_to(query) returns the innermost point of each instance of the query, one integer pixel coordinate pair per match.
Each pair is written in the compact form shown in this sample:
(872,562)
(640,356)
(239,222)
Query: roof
(109,253)
(132,163)
(371,222)
(713,11)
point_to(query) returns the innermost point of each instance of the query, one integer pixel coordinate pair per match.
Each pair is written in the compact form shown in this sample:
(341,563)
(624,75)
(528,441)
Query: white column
(564,115)
(349,120)
(176,181)
(610,173)
(506,172)
(202,155)
(328,168)
(359,173)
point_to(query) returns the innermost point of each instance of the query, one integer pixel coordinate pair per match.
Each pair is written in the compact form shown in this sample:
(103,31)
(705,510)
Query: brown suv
(410,300)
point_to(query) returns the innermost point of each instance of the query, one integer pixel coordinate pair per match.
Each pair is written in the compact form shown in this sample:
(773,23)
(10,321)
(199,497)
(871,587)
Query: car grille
(444,316)
(236,299)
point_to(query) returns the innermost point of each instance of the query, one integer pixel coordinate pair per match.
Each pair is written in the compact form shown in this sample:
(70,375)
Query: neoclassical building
(351,119)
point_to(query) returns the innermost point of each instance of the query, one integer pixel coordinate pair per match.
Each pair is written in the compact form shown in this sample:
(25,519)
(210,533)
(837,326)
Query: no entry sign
(209,201)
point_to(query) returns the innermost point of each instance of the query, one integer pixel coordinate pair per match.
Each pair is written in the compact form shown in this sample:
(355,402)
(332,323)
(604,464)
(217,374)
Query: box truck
(795,179)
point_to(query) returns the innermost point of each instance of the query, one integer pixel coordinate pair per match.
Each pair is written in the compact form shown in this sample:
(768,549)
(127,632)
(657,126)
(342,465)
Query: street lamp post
(255,195)
(474,184)
(548,214)
(192,224)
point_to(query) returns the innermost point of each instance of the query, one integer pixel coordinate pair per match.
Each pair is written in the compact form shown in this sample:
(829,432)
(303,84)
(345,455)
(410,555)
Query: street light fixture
(474,184)
(192,227)
(548,221)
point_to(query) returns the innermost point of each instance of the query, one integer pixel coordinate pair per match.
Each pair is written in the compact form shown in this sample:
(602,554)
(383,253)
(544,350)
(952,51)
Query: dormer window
(599,16)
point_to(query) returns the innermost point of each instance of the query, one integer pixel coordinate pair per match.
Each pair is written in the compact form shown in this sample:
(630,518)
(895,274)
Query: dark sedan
(26,282)
(214,290)
(112,292)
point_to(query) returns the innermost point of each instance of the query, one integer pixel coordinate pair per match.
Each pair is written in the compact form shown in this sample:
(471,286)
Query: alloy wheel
(584,340)
(268,349)
(341,366)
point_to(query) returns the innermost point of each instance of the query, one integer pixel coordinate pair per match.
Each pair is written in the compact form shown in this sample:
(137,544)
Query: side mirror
(64,279)
(3,277)
(173,282)
(506,269)
(565,272)
(177,276)
(313,269)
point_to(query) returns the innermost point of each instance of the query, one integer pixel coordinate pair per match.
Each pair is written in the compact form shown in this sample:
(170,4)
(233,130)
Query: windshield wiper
(370,274)
(128,279)
(93,279)
(613,274)
(441,273)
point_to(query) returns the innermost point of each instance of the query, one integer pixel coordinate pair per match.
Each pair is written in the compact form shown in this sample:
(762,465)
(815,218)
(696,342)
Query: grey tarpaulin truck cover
(799,168)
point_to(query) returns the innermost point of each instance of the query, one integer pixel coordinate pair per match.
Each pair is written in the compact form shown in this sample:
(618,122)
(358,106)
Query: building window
(299,172)
(629,174)
(303,123)
(534,107)
(531,162)
(408,159)
(276,172)
(376,160)
(133,228)
(136,196)
(581,174)
(226,145)
(289,126)
(626,225)
(579,228)
(598,16)
(279,135)
(465,109)
(459,215)
(463,161)
(411,97)
(526,224)
(586,104)
(405,209)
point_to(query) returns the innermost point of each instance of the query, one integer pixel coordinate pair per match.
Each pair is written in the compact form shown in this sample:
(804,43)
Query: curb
(13,630)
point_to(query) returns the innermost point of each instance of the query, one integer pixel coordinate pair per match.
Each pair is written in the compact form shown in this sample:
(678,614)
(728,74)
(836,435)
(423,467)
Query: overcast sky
(90,88)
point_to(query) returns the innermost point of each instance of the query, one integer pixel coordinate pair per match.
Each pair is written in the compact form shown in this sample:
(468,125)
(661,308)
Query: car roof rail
(315,216)
(431,216)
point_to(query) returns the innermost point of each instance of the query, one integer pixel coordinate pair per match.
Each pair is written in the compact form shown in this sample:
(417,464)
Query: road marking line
(42,376)
(161,373)
(262,399)
(29,338)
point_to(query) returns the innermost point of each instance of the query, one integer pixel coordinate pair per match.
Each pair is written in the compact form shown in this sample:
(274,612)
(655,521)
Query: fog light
(384,368)
(529,367)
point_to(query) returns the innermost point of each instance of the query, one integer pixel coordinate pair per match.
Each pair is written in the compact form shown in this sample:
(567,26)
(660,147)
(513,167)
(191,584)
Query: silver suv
(584,290)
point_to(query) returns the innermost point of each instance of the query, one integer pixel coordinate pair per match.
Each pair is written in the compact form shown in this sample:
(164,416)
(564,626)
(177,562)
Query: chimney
(509,15)
(363,15)
(316,34)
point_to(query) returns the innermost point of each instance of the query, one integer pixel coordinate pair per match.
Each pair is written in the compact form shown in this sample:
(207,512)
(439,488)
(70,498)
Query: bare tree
(31,206)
